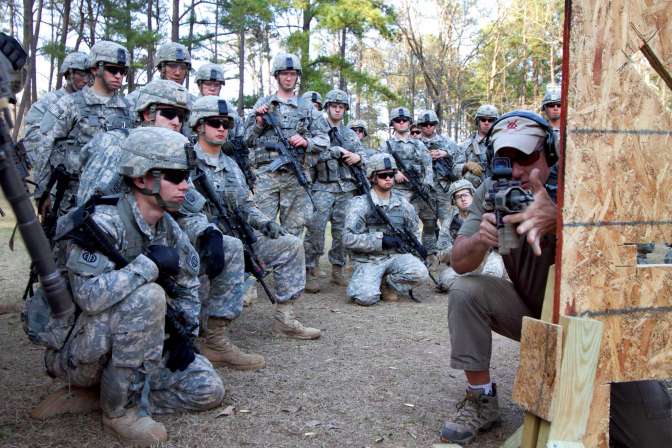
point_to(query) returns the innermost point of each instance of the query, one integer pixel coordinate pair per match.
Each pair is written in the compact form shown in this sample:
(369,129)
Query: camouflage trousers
(400,271)
(223,295)
(279,193)
(285,258)
(121,349)
(329,206)
(430,224)
(492,265)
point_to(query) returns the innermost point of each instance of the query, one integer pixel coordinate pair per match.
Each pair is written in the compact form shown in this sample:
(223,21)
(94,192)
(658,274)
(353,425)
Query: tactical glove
(473,167)
(272,230)
(211,251)
(426,189)
(391,242)
(165,258)
(180,353)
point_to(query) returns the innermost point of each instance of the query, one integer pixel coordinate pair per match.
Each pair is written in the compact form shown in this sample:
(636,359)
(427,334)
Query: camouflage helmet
(462,184)
(285,61)
(359,124)
(427,116)
(106,51)
(313,97)
(210,106)
(162,91)
(400,112)
(210,72)
(381,161)
(552,95)
(487,110)
(172,52)
(337,96)
(148,148)
(76,60)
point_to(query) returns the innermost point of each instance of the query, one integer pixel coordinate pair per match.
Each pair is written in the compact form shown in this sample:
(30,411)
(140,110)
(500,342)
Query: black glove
(272,229)
(422,252)
(426,189)
(391,242)
(165,258)
(211,251)
(180,353)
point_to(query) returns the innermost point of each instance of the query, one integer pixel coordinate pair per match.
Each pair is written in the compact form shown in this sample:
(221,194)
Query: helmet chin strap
(156,192)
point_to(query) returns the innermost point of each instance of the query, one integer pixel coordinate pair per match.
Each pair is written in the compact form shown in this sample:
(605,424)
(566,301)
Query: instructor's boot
(220,351)
(337,276)
(68,400)
(388,293)
(285,323)
(475,413)
(312,281)
(135,430)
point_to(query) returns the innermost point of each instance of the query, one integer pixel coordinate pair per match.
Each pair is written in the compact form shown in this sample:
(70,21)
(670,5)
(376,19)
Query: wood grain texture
(540,357)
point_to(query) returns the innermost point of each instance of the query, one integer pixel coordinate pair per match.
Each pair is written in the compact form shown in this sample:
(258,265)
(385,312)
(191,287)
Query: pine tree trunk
(64,37)
(175,22)
(241,70)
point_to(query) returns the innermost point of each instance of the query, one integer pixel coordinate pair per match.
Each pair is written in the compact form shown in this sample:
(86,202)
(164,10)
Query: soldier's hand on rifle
(400,178)
(426,189)
(438,154)
(272,230)
(350,158)
(165,258)
(211,251)
(474,167)
(391,242)
(44,207)
(487,232)
(539,218)
(298,141)
(260,115)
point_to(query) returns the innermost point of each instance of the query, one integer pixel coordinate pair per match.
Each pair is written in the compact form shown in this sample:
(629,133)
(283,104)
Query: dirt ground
(378,377)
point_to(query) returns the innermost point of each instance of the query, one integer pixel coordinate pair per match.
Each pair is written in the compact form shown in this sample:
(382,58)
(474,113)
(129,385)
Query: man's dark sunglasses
(521,158)
(401,120)
(415,132)
(426,125)
(218,122)
(385,175)
(175,176)
(171,112)
(553,105)
(360,130)
(487,120)
(116,69)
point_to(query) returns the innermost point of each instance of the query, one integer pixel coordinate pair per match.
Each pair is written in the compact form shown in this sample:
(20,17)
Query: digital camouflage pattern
(100,173)
(363,237)
(110,52)
(473,149)
(285,61)
(172,52)
(76,60)
(210,72)
(278,192)
(32,136)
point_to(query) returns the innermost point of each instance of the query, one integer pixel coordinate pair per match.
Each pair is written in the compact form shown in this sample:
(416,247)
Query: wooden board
(540,356)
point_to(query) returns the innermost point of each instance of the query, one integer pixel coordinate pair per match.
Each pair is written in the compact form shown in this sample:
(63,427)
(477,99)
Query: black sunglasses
(360,130)
(171,112)
(385,175)
(400,120)
(218,122)
(486,120)
(116,69)
(426,125)
(175,176)
(415,132)
(553,105)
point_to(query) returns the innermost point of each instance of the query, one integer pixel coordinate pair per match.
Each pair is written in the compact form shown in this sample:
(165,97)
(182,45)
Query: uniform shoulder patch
(85,261)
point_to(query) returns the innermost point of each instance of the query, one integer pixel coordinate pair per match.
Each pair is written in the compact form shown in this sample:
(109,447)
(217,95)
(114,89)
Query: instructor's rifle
(413,179)
(233,221)
(286,156)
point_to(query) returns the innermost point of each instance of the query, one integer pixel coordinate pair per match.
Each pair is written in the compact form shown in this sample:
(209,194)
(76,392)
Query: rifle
(236,149)
(233,221)
(444,166)
(357,171)
(286,156)
(413,180)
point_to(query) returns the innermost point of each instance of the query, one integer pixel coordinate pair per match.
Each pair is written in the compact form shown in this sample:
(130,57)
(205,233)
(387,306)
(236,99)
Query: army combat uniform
(473,149)
(372,265)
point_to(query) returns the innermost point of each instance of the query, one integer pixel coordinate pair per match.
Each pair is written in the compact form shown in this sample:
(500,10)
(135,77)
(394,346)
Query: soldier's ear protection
(550,143)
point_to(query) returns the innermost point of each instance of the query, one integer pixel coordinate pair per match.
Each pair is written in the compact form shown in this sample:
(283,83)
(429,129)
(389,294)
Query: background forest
(449,55)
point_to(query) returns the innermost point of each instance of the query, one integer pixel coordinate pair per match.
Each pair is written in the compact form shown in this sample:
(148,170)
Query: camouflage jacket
(363,230)
(32,135)
(447,235)
(473,150)
(438,141)
(329,173)
(413,153)
(295,117)
(96,282)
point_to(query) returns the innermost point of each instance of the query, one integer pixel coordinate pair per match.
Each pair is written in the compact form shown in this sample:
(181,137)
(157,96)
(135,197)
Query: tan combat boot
(388,293)
(337,276)
(312,281)
(285,323)
(68,400)
(477,412)
(220,351)
(132,429)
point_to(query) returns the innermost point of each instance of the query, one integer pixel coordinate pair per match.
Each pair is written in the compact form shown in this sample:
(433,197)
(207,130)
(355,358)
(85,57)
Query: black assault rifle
(236,149)
(357,171)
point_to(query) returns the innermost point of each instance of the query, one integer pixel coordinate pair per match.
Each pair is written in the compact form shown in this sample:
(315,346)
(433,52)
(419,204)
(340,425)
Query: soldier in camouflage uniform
(474,158)
(278,191)
(118,339)
(75,70)
(380,271)
(443,151)
(160,103)
(313,97)
(334,185)
(75,119)
(361,130)
(462,194)
(210,79)
(551,107)
(278,251)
